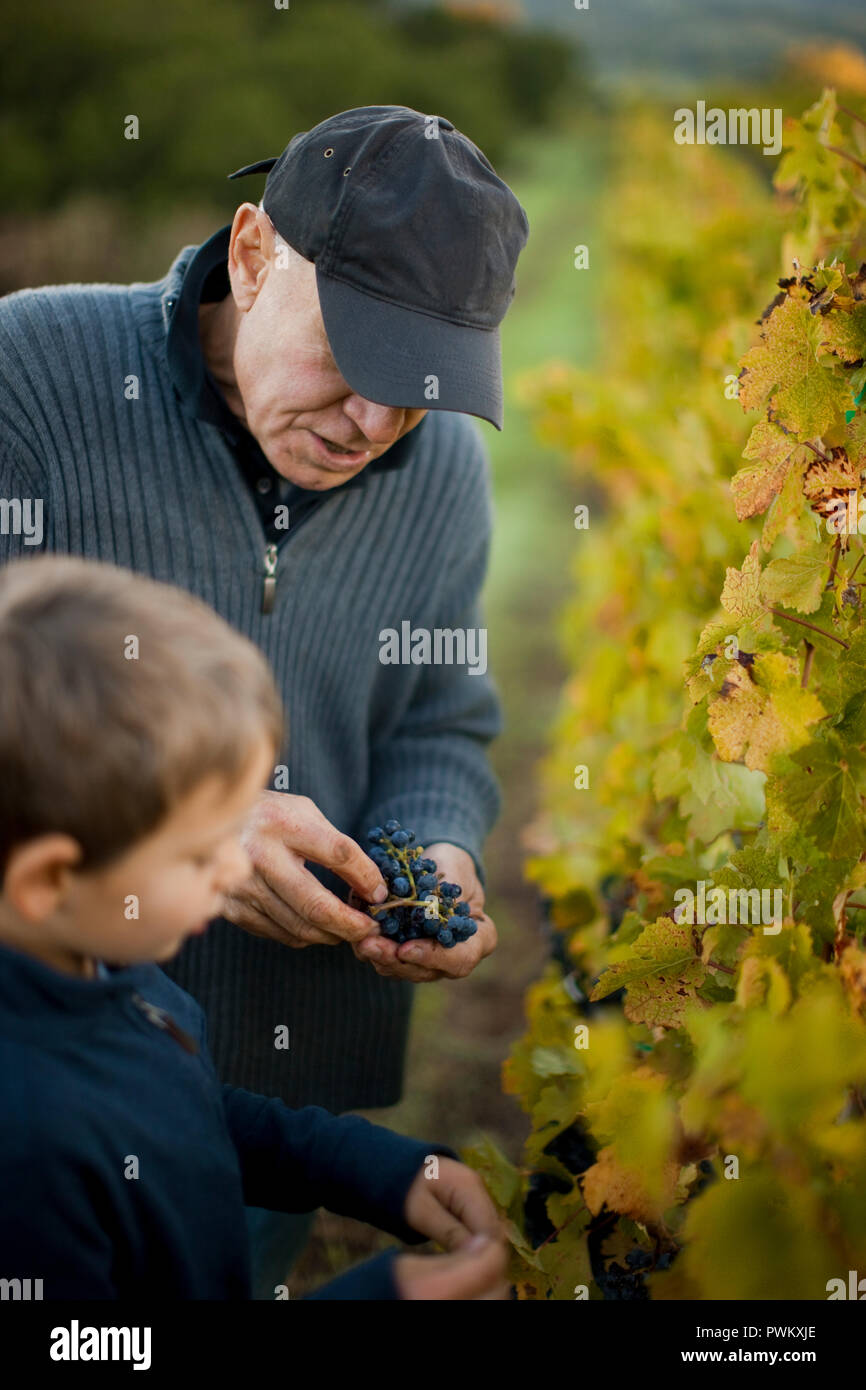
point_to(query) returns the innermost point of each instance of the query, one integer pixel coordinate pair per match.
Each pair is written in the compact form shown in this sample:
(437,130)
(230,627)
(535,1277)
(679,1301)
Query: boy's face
(174,879)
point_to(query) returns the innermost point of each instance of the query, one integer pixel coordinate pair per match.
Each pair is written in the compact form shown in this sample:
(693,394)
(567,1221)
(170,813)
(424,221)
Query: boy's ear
(37,875)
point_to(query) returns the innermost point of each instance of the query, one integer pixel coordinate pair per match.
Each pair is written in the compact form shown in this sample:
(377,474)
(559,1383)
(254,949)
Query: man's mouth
(339,452)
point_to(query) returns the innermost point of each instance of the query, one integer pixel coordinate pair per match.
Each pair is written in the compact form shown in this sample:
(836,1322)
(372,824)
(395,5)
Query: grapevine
(709,1074)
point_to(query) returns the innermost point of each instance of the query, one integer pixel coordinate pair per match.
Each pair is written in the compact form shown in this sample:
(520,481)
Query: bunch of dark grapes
(536,1222)
(419,904)
(574,1147)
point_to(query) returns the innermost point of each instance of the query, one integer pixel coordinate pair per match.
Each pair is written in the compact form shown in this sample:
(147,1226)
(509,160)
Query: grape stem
(845,155)
(837,550)
(802,621)
(397,902)
(559,1229)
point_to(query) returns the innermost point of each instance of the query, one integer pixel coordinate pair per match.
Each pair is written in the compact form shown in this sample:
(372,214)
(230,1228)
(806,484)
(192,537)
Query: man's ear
(250,250)
(38,874)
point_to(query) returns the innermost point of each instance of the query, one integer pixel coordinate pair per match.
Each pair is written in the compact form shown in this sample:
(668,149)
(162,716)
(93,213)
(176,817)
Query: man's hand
(476,1271)
(282,899)
(422,961)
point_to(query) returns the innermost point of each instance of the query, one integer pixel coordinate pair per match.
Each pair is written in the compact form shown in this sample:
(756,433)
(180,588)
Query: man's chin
(313,476)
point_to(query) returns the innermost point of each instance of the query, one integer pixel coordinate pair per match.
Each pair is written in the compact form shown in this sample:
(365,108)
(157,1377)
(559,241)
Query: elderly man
(280,426)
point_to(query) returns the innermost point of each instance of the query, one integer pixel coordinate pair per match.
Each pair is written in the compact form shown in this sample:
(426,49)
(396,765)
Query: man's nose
(379,423)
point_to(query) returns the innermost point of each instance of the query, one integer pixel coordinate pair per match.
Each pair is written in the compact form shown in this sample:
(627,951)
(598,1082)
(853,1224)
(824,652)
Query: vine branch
(845,155)
(802,621)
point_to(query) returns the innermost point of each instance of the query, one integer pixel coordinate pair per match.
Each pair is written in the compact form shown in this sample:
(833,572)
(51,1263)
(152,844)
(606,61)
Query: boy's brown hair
(101,744)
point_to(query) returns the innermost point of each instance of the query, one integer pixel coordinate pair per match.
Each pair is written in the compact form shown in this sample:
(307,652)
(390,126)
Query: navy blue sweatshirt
(125,1165)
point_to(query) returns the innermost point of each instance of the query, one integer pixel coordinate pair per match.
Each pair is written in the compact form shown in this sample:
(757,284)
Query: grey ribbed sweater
(141,484)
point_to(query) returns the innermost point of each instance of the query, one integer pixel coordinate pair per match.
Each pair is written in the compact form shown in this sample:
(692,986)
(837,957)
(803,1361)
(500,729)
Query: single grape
(376,835)
(445,937)
(400,839)
(391,826)
(428,865)
(400,886)
(638,1259)
(426,883)
(390,926)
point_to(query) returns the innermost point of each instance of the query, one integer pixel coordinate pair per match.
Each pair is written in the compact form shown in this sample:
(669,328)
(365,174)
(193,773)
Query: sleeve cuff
(373,1280)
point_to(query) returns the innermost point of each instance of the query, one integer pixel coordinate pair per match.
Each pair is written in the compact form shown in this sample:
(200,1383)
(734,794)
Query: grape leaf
(661,974)
(758,1238)
(844,334)
(755,486)
(805,397)
(821,795)
(499,1175)
(795,582)
(608,1183)
(740,596)
(753,720)
(787,507)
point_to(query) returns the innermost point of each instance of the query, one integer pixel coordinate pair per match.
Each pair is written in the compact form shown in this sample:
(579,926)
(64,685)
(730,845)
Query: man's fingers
(312,836)
(455,962)
(264,914)
(346,858)
(413,973)
(297,895)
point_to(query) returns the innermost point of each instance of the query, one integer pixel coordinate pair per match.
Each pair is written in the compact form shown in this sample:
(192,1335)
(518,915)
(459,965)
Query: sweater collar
(199,275)
(28,985)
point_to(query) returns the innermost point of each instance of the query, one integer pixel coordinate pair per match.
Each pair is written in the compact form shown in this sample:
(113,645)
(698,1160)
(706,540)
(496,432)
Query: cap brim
(402,357)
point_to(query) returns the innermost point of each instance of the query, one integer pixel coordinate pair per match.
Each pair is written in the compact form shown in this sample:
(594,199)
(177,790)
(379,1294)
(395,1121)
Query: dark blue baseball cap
(415,240)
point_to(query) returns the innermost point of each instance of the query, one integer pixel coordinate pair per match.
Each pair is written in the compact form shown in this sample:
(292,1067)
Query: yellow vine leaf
(609,1183)
(740,596)
(781,371)
(750,722)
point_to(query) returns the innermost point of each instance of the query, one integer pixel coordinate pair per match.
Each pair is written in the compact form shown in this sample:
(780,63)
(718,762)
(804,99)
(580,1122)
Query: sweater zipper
(163,1020)
(270,579)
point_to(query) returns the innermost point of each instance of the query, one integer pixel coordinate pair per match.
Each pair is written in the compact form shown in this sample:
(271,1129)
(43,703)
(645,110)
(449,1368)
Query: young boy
(136,731)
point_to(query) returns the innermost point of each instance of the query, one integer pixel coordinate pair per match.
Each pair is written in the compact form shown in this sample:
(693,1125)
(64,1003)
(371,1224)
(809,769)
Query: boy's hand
(476,1271)
(452,1206)
(282,899)
(423,961)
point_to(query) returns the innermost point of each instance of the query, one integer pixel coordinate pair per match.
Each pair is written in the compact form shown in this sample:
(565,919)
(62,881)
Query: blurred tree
(220,84)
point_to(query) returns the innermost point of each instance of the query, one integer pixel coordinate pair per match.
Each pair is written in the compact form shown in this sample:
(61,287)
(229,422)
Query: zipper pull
(270,581)
(161,1019)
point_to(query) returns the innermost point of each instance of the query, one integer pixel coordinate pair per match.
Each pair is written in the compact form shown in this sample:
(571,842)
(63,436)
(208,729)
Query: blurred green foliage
(219,84)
